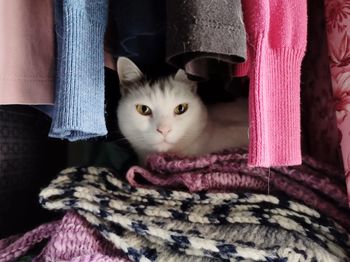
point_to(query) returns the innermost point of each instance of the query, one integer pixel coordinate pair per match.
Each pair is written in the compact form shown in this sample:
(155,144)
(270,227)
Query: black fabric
(112,96)
(28,161)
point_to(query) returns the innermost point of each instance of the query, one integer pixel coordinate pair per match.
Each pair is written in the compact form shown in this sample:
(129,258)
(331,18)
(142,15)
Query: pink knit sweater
(276,33)
(71,239)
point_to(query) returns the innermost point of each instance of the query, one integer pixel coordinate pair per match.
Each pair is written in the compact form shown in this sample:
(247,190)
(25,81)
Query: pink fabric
(319,129)
(71,239)
(26,52)
(319,186)
(15,246)
(276,32)
(338,32)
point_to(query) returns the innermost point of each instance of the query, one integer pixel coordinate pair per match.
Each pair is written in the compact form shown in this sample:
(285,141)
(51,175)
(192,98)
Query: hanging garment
(204,36)
(26,52)
(319,130)
(276,35)
(79,101)
(317,186)
(166,225)
(136,29)
(338,32)
(140,29)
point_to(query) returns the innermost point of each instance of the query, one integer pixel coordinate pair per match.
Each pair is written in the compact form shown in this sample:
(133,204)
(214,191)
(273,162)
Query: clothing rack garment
(338,32)
(205,37)
(27,52)
(276,35)
(79,101)
(196,34)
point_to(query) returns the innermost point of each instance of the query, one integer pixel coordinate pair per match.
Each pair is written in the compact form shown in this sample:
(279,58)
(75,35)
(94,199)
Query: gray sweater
(202,35)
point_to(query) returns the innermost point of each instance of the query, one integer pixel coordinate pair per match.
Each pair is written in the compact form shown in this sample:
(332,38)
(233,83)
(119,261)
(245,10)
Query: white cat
(168,116)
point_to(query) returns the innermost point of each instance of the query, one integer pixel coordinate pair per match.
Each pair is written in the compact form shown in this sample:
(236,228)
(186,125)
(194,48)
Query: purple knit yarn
(318,186)
(71,239)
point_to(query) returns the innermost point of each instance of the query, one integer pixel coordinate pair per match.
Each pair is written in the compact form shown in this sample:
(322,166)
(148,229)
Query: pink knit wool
(276,34)
(318,186)
(71,239)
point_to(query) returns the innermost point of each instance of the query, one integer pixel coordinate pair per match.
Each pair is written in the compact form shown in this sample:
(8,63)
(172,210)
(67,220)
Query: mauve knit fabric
(319,186)
(71,239)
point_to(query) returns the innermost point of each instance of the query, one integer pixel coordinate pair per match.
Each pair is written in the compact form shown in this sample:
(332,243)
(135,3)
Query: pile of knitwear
(157,222)
(314,184)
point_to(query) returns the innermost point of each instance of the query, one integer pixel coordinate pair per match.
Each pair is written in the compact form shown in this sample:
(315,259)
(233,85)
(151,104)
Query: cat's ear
(128,72)
(182,77)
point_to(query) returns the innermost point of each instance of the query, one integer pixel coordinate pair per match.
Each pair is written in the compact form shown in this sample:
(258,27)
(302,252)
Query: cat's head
(165,115)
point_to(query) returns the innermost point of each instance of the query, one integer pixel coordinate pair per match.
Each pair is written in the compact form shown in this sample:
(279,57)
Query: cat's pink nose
(164,130)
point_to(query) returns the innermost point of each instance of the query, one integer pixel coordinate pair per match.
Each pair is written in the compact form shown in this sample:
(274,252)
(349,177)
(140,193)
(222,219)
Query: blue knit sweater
(79,103)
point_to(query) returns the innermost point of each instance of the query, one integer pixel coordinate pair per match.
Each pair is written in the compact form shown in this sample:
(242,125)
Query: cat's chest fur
(227,127)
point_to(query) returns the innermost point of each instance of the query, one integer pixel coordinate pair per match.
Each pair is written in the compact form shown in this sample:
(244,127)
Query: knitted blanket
(165,225)
(317,185)
(71,239)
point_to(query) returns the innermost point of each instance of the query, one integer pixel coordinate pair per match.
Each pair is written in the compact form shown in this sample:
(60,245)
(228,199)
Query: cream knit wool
(146,224)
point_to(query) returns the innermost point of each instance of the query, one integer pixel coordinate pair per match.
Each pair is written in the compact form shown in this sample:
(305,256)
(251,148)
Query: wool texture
(166,225)
(205,37)
(79,102)
(70,239)
(316,185)
(276,40)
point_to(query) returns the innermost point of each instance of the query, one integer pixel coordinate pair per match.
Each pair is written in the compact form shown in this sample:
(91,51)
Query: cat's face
(161,116)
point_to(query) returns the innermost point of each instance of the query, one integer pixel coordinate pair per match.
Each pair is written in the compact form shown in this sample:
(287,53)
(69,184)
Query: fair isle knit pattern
(79,103)
(165,225)
(316,185)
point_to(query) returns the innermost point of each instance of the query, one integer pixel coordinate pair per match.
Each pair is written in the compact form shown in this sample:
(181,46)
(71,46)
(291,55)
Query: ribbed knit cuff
(274,108)
(79,102)
(242,69)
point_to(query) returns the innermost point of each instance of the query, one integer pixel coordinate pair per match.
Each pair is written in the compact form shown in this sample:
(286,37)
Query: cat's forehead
(161,89)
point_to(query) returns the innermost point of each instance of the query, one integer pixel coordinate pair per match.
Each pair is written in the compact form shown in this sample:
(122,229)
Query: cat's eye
(143,110)
(180,109)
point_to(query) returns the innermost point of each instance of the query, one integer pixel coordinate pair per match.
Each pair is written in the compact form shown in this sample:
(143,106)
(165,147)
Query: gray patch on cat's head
(131,78)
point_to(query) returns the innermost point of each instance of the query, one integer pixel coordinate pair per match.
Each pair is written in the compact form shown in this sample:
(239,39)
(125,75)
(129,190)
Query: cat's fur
(198,131)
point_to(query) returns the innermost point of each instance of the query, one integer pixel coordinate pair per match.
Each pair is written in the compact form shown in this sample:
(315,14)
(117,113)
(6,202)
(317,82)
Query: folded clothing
(168,225)
(317,185)
(70,239)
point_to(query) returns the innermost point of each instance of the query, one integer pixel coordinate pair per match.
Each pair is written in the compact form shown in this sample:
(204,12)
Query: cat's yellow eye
(180,109)
(143,110)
